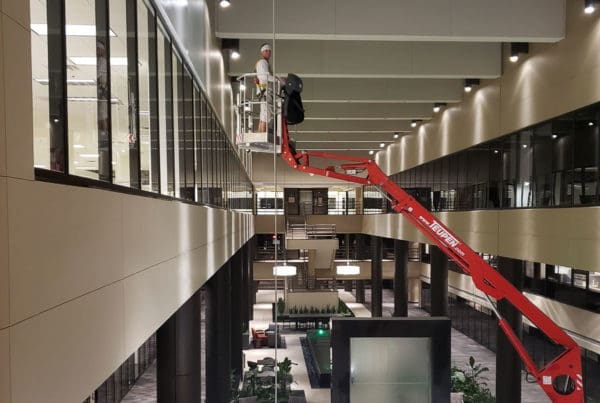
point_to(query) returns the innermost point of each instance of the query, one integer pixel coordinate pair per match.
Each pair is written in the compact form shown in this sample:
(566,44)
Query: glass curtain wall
(114,101)
(552,164)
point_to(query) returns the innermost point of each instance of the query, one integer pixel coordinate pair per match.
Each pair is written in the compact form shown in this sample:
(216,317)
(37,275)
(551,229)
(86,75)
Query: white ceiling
(370,67)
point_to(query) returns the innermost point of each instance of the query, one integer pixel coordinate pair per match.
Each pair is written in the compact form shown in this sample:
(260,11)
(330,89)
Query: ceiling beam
(364,59)
(381,20)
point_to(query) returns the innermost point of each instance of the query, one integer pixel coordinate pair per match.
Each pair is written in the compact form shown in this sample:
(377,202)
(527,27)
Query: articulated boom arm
(561,379)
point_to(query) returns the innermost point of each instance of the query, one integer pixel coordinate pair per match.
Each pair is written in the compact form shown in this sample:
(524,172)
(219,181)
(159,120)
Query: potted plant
(470,382)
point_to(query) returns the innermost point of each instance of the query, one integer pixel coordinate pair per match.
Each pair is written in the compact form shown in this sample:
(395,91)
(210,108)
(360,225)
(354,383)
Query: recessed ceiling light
(224,3)
(382,145)
(413,123)
(554,136)
(371,152)
(590,123)
(514,58)
(589,6)
(235,54)
(396,135)
(438,106)
(496,151)
(524,145)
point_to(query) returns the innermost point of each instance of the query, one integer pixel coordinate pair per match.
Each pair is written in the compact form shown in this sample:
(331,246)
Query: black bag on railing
(292,102)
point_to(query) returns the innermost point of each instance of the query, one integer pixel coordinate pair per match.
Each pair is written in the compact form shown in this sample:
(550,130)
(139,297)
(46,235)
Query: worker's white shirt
(262,71)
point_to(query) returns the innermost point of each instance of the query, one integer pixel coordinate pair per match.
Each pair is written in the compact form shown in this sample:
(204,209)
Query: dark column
(508,362)
(376,276)
(236,313)
(348,285)
(245,288)
(179,355)
(439,282)
(360,291)
(400,278)
(218,333)
(254,286)
(537,277)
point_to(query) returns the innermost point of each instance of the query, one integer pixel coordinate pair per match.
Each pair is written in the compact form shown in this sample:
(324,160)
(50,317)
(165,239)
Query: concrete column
(360,291)
(508,362)
(376,276)
(439,282)
(179,355)
(400,278)
(218,354)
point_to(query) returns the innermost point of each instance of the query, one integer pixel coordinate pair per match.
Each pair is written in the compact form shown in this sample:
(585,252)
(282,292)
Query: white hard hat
(265,46)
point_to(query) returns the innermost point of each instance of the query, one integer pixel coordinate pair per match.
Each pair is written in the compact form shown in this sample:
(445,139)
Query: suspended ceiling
(371,67)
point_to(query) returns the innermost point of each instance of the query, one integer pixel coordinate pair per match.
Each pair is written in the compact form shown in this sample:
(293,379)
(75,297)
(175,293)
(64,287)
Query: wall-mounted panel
(68,350)
(17,81)
(76,234)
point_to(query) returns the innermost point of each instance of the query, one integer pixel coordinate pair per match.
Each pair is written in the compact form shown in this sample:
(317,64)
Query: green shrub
(471,383)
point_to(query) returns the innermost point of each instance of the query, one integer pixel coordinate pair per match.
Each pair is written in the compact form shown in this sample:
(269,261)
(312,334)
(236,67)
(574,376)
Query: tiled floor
(462,348)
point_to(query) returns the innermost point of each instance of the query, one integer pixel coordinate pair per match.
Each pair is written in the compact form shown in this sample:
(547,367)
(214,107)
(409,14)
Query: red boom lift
(561,379)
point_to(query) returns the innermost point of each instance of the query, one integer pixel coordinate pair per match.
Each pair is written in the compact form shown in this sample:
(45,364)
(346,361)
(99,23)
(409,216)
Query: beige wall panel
(265,224)
(556,236)
(4,366)
(478,229)
(391,226)
(169,228)
(580,321)
(2,95)
(76,234)
(4,273)
(63,354)
(18,10)
(351,224)
(554,79)
(18,105)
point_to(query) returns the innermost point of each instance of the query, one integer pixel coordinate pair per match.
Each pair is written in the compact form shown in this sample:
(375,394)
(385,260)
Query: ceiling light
(524,145)
(414,122)
(224,3)
(284,270)
(396,135)
(554,136)
(469,83)
(496,151)
(438,106)
(70,30)
(371,152)
(347,270)
(590,123)
(382,145)
(232,46)
(589,6)
(78,146)
(517,48)
(88,155)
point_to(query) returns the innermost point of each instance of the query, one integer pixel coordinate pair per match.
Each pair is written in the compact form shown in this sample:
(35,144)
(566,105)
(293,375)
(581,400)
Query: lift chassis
(560,379)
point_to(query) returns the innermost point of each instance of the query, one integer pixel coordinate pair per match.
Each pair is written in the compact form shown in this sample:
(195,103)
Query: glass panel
(188,116)
(524,188)
(165,113)
(586,149)
(82,105)
(119,89)
(144,41)
(198,143)
(40,85)
(178,143)
(543,137)
(388,369)
(205,155)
